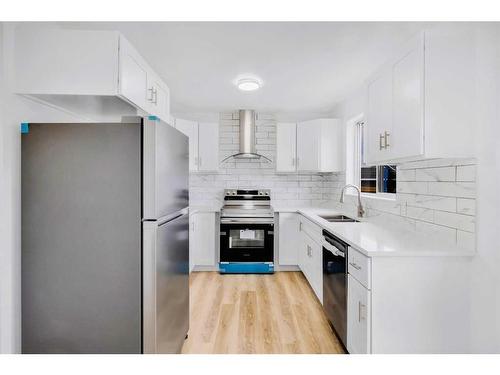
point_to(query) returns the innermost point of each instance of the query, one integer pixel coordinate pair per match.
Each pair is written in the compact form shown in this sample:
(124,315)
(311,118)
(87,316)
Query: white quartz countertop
(376,240)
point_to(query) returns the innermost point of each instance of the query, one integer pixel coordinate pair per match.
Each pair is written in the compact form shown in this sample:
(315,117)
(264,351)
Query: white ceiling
(305,67)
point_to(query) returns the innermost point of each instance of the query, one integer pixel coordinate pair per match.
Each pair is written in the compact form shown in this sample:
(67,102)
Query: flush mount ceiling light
(248,84)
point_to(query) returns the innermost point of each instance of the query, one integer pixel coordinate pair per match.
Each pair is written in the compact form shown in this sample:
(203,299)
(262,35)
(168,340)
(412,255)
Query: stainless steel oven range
(246,232)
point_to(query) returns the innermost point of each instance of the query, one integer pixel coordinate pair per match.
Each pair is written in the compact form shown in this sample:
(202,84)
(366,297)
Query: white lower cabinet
(316,270)
(288,238)
(358,317)
(202,239)
(395,304)
(311,263)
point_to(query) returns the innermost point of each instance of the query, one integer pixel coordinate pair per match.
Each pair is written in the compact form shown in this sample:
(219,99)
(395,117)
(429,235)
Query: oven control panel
(247,192)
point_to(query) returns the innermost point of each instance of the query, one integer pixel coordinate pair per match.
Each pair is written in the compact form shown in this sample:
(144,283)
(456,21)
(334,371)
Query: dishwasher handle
(333,250)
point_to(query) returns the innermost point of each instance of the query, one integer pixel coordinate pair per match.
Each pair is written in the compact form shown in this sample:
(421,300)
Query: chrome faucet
(361,211)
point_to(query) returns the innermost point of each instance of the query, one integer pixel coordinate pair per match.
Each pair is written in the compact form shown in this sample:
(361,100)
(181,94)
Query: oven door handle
(333,249)
(247,221)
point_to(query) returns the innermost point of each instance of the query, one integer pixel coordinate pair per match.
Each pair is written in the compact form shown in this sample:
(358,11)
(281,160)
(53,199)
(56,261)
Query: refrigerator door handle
(165,219)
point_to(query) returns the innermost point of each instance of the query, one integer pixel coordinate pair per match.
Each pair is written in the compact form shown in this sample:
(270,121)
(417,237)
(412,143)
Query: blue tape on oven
(246,268)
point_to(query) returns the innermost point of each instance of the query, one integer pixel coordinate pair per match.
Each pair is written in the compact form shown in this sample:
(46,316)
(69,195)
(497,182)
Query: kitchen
(345,220)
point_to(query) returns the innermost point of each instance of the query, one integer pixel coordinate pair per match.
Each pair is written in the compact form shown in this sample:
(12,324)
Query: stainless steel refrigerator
(105,237)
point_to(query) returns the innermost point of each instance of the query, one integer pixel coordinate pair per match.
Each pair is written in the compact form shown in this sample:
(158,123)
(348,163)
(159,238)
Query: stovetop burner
(247,203)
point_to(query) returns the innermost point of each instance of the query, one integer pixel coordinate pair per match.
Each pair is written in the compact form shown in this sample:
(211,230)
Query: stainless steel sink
(338,219)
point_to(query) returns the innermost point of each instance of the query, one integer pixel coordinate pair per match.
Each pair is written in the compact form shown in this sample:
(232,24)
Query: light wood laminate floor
(260,314)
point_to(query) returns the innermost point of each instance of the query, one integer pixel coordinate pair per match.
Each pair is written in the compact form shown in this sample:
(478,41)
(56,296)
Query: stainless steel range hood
(247,137)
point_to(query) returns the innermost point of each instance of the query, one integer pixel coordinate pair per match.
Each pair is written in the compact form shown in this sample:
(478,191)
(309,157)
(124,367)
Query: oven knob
(267,193)
(260,192)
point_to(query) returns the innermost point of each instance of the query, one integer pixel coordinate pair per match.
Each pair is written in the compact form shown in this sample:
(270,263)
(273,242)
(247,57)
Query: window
(381,179)
(371,179)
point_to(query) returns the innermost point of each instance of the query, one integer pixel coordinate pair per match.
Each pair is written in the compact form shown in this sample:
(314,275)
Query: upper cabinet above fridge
(54,65)
(421,103)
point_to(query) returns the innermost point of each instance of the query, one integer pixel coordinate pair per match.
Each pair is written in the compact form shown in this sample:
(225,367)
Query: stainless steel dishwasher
(335,283)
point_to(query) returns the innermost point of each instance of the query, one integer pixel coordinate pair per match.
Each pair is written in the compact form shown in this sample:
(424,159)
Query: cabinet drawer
(313,230)
(359,266)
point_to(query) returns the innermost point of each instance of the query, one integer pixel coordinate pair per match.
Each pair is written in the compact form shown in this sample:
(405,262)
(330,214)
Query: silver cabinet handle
(380,138)
(355,266)
(386,137)
(151,90)
(360,308)
(309,251)
(293,162)
(300,226)
(297,160)
(199,160)
(155,92)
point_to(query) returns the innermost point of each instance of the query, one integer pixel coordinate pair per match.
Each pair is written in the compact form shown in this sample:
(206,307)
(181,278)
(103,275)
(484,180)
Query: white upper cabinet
(408,103)
(309,146)
(395,107)
(203,144)
(286,147)
(208,146)
(379,116)
(190,128)
(421,103)
(133,75)
(157,99)
(86,63)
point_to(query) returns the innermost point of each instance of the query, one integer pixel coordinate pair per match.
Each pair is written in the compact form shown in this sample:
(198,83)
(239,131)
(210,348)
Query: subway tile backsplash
(435,197)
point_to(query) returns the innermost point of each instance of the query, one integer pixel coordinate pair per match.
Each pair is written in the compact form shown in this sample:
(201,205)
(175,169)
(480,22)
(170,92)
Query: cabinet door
(331,146)
(316,269)
(158,97)
(379,116)
(203,239)
(407,139)
(308,145)
(161,102)
(133,76)
(358,317)
(288,239)
(208,146)
(190,128)
(286,147)
(303,252)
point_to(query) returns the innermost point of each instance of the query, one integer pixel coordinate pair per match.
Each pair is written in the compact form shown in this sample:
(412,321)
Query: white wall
(14,110)
(485,292)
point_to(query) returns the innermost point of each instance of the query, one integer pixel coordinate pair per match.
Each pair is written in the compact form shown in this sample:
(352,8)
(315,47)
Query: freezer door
(81,238)
(165,169)
(166,284)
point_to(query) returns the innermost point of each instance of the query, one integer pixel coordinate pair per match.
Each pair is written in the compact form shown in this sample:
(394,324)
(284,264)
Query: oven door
(246,241)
